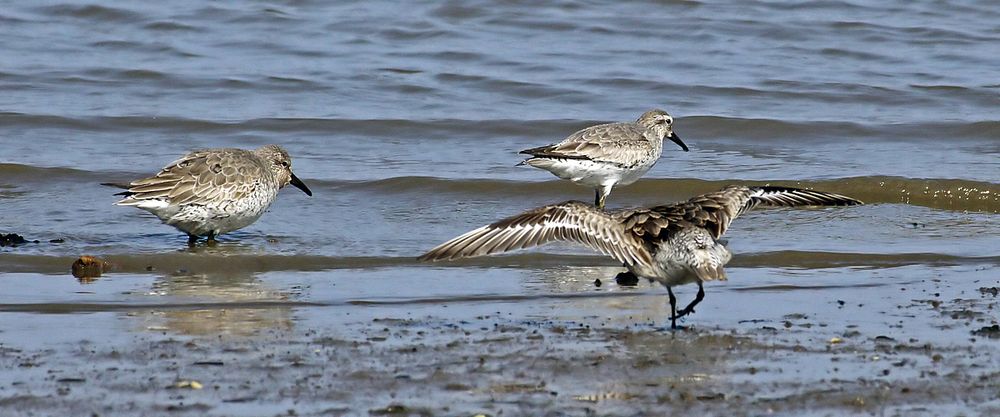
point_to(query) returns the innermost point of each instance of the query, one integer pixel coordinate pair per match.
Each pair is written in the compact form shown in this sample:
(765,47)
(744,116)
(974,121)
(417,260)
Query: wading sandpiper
(607,155)
(673,244)
(214,191)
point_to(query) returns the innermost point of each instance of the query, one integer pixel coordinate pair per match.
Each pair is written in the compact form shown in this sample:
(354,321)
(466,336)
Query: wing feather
(195,178)
(613,142)
(716,211)
(626,236)
(572,221)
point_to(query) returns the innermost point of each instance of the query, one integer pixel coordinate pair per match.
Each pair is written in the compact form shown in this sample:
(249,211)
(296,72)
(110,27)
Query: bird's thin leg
(602,195)
(598,198)
(673,308)
(697,299)
(192,239)
(211,239)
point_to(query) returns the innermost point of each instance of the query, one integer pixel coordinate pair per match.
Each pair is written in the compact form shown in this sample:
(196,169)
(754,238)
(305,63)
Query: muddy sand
(914,346)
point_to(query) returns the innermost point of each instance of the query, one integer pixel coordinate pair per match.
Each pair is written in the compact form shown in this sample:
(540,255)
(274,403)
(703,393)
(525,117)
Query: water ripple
(94,13)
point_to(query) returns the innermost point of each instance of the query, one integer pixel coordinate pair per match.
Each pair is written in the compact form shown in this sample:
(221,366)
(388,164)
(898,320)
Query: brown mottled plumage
(672,244)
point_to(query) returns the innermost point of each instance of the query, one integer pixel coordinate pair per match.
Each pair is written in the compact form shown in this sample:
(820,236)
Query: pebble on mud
(992,332)
(391,409)
(87,268)
(627,279)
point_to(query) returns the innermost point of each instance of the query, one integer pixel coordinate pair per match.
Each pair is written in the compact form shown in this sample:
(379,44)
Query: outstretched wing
(619,142)
(716,211)
(571,221)
(193,179)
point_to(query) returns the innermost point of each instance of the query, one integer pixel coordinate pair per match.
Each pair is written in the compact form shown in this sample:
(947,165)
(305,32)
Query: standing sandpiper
(214,191)
(674,244)
(604,156)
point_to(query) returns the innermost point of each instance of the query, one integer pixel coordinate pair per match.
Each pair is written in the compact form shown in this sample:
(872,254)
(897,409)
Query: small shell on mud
(188,384)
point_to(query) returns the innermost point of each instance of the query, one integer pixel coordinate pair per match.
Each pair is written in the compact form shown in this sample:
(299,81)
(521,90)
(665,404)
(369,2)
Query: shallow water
(407,125)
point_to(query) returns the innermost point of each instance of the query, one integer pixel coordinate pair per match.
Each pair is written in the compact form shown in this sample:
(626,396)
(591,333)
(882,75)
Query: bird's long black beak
(300,185)
(677,139)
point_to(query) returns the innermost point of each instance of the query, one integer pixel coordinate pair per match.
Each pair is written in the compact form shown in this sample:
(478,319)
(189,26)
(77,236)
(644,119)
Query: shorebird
(214,191)
(673,244)
(607,155)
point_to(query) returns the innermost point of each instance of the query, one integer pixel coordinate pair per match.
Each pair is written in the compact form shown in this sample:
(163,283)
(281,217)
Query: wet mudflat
(813,342)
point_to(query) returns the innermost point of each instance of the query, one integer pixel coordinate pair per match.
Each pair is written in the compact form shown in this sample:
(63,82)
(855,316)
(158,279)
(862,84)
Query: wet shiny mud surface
(888,341)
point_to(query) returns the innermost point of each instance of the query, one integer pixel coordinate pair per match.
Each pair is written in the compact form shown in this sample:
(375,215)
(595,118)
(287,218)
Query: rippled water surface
(406,120)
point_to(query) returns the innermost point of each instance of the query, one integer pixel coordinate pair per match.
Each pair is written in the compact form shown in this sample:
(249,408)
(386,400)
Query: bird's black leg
(697,299)
(211,239)
(192,239)
(673,308)
(598,201)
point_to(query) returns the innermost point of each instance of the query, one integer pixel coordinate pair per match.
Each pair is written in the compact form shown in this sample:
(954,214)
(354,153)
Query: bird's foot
(683,312)
(211,240)
(673,327)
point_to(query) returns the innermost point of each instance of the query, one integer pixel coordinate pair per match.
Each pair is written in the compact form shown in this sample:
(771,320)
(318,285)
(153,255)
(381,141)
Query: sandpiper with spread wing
(672,244)
(214,191)
(604,156)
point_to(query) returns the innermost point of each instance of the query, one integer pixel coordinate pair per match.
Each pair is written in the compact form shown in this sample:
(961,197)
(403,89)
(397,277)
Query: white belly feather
(690,256)
(217,218)
(590,173)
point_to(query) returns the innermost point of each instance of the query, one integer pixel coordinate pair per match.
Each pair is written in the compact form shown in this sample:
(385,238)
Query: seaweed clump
(11,239)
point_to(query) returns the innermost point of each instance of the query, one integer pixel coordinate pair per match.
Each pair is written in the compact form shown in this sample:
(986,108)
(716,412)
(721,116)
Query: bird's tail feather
(121,185)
